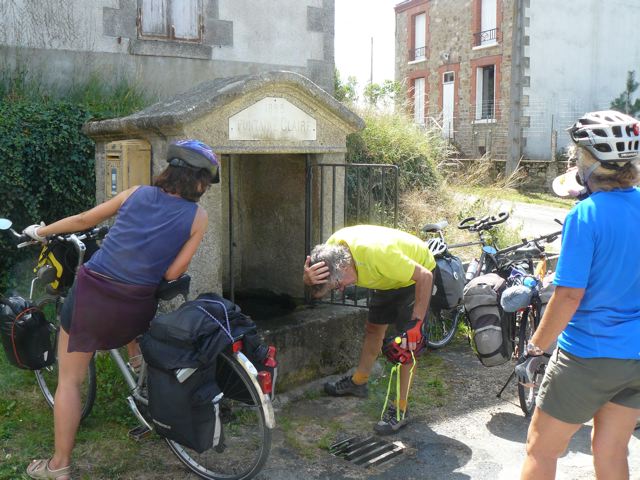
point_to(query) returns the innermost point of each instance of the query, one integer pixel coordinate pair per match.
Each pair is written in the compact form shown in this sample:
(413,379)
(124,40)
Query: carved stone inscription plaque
(272,118)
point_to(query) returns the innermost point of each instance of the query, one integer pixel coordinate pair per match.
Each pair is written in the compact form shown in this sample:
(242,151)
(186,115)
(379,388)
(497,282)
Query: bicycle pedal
(139,432)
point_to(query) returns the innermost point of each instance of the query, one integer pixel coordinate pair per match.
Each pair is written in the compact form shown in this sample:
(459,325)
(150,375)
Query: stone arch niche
(266,129)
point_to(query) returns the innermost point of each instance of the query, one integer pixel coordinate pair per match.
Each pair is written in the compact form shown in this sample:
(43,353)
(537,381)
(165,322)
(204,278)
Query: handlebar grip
(498,219)
(466,223)
(102,231)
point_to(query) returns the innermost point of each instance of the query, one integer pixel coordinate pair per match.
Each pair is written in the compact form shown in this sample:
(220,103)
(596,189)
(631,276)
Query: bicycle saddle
(169,289)
(435,227)
(530,251)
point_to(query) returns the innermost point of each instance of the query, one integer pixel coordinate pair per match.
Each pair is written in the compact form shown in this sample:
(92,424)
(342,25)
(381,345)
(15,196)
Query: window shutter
(154,17)
(185,18)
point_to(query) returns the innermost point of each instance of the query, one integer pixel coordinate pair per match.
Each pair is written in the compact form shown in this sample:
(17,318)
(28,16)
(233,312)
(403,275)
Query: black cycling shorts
(387,307)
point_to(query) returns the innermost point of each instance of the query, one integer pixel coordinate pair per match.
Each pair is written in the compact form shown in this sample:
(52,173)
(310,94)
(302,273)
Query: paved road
(475,436)
(536,220)
(533,219)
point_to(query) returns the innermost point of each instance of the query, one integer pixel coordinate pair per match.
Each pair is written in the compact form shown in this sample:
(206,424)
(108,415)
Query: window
(170,19)
(419,50)
(485,92)
(488,24)
(418,101)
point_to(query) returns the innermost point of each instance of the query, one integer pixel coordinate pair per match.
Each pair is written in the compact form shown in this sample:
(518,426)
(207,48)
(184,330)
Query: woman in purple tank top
(156,233)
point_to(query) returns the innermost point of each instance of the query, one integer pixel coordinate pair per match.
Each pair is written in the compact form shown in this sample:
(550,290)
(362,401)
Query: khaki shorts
(573,388)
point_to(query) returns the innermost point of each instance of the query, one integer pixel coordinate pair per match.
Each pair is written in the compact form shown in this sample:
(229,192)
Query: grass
(308,437)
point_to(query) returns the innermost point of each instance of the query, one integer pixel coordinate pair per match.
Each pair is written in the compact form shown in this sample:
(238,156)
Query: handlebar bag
(63,257)
(490,325)
(28,339)
(449,282)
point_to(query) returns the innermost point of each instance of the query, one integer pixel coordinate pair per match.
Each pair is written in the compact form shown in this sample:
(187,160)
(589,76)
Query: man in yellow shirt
(397,267)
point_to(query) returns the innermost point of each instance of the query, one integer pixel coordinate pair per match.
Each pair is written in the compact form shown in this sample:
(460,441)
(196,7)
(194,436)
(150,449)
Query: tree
(345,92)
(623,102)
(383,95)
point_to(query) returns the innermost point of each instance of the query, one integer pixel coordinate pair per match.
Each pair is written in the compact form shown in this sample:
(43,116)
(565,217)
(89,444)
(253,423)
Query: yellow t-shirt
(385,258)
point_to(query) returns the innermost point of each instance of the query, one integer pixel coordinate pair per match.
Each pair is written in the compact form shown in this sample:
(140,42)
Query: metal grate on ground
(367,452)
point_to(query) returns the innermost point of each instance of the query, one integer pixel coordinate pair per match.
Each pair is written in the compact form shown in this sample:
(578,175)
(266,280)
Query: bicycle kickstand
(513,374)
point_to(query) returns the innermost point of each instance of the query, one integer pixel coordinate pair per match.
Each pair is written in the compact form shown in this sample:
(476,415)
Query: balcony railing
(483,38)
(417,54)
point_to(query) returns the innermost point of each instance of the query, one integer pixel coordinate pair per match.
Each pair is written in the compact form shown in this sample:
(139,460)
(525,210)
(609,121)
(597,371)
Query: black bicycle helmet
(194,154)
(608,135)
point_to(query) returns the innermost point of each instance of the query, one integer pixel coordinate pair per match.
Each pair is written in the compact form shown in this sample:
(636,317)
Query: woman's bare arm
(181,262)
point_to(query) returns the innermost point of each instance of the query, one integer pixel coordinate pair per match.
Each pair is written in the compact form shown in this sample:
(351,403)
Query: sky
(353,32)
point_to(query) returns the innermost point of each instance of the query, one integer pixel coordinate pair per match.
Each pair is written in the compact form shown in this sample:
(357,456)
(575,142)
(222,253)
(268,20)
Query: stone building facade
(507,77)
(165,46)
(455,79)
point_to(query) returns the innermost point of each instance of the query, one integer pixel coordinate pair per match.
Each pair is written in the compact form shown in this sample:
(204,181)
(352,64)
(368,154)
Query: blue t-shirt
(600,253)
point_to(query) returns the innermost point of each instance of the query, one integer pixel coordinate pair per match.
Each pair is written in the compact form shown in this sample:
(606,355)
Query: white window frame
(418,100)
(175,20)
(482,113)
(420,37)
(488,19)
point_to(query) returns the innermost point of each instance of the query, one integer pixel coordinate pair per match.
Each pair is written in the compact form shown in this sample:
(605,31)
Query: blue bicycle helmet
(194,154)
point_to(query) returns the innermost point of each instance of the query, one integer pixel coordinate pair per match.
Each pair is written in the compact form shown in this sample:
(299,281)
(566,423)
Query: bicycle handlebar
(95,233)
(548,238)
(485,223)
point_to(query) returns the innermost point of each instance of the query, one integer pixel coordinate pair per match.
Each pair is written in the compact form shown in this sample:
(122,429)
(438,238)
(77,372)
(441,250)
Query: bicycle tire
(247,444)
(442,326)
(47,378)
(527,395)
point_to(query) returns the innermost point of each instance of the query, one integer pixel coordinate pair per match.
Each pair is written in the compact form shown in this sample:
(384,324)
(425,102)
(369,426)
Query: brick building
(505,76)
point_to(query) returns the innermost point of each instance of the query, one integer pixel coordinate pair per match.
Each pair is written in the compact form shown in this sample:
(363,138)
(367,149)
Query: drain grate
(367,452)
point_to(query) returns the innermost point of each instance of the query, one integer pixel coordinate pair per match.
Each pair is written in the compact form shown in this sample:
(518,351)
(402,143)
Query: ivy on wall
(46,163)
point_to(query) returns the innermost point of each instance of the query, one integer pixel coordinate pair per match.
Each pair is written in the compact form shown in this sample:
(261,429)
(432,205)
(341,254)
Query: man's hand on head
(315,274)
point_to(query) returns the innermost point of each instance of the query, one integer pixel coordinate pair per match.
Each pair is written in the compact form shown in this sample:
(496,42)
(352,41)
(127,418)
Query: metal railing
(419,53)
(488,36)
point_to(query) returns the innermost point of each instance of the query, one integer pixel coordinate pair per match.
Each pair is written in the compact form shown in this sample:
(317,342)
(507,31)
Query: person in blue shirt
(595,310)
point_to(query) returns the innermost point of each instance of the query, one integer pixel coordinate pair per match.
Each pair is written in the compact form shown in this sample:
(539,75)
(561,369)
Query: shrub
(47,163)
(394,139)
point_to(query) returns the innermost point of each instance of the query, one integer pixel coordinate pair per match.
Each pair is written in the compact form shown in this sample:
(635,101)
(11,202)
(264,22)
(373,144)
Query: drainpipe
(514,150)
(231,236)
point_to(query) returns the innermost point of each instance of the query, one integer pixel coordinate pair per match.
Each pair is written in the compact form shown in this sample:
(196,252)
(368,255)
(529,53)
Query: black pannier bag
(190,337)
(449,282)
(490,326)
(28,339)
(186,412)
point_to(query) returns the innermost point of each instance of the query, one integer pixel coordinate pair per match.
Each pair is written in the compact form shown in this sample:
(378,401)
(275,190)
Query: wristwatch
(534,350)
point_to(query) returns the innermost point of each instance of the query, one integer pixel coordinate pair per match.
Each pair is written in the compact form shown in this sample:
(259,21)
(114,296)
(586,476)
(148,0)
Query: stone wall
(538,173)
(64,42)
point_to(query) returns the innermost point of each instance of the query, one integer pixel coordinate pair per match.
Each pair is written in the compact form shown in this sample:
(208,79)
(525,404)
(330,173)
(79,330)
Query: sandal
(40,469)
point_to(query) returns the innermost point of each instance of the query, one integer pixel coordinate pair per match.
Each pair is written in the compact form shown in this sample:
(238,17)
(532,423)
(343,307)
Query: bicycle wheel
(247,437)
(527,395)
(442,326)
(47,377)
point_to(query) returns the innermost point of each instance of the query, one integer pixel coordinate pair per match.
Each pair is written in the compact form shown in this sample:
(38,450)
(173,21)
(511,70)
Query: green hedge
(47,167)
(46,163)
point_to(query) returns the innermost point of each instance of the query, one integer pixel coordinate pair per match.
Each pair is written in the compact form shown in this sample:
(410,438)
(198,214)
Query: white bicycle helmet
(608,135)
(436,246)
